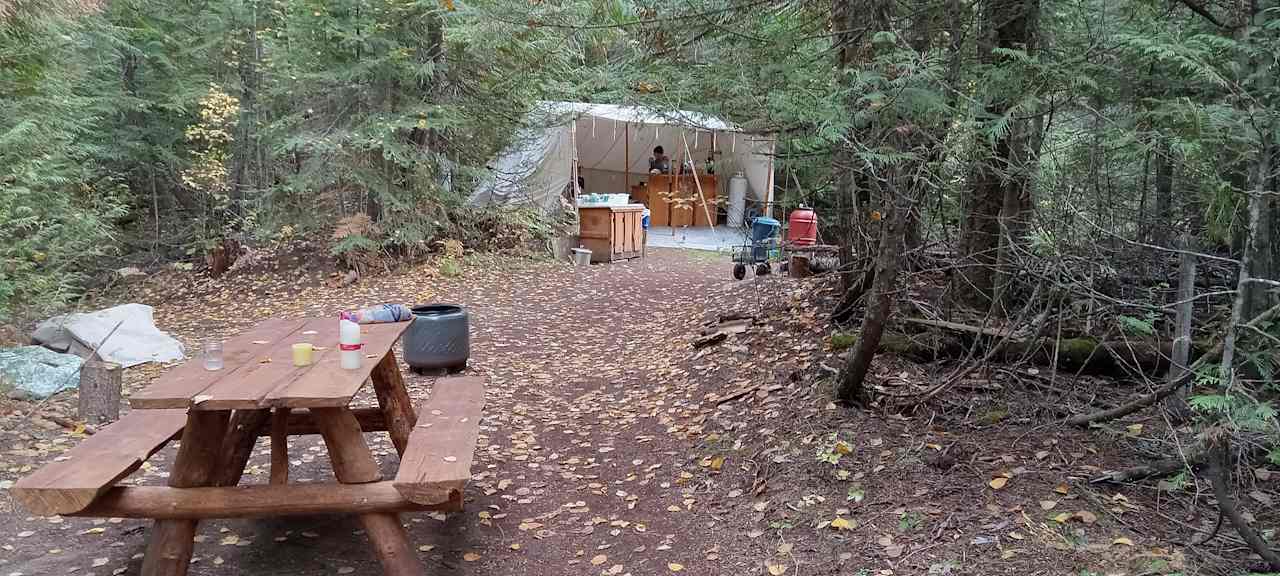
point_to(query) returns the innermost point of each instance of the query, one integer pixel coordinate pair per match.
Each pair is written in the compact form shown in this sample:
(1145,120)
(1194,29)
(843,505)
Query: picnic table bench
(219,416)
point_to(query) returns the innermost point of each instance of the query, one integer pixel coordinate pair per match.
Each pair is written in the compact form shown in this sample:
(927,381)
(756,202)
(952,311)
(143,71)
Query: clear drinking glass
(213,355)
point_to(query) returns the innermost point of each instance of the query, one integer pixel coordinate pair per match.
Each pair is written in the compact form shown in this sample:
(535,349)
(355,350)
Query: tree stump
(100,384)
(799,266)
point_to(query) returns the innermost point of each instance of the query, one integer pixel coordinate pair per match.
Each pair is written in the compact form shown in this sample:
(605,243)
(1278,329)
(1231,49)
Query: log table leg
(280,446)
(393,398)
(353,463)
(172,541)
(242,435)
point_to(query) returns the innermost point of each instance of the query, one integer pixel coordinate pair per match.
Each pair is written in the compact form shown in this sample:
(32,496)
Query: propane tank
(737,200)
(803,230)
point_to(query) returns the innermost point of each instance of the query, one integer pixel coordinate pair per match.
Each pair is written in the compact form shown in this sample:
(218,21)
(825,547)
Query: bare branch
(1203,12)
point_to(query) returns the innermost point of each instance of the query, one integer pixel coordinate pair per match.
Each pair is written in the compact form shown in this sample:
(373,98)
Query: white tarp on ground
(135,342)
(609,139)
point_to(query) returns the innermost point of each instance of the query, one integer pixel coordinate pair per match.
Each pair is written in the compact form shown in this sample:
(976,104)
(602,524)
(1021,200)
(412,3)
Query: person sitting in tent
(659,163)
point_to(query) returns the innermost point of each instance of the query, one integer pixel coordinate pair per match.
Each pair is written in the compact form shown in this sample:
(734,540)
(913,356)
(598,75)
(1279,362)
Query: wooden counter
(673,200)
(612,232)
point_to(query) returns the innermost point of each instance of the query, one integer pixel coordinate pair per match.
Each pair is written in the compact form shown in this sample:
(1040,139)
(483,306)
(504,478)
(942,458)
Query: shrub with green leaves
(58,204)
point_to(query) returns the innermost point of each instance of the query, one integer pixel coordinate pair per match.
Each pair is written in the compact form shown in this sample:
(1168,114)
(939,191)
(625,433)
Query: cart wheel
(739,271)
(763,269)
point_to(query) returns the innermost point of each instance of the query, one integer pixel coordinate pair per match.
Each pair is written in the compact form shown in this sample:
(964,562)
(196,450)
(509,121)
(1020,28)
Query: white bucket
(581,257)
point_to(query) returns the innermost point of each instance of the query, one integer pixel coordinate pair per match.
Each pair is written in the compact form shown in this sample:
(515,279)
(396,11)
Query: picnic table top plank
(437,463)
(176,388)
(326,384)
(271,367)
(259,371)
(71,483)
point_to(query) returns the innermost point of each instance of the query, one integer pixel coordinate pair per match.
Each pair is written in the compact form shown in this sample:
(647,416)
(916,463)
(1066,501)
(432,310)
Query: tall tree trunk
(1000,185)
(1162,220)
(1258,261)
(1259,247)
(852,388)
(852,198)
(246,167)
(894,188)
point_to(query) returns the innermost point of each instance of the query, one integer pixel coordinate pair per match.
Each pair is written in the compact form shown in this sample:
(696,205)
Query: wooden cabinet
(673,200)
(612,232)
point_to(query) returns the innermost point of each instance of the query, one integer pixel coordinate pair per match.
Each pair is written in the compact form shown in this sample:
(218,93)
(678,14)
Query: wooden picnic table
(258,392)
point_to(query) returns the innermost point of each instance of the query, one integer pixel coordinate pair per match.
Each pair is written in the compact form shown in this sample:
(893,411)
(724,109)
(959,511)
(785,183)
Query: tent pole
(702,199)
(768,203)
(626,151)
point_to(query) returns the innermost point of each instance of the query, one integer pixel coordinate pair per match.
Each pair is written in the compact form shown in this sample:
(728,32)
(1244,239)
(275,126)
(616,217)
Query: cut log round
(100,384)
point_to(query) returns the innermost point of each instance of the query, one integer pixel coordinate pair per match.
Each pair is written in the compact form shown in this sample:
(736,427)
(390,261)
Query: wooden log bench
(219,422)
(437,463)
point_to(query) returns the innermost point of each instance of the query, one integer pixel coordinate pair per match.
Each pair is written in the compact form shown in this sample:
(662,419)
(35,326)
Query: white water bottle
(349,343)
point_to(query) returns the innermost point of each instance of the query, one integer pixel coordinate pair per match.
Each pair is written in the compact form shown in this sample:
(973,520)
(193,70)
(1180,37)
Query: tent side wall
(533,170)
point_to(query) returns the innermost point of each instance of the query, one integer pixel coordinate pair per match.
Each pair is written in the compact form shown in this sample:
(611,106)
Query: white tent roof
(606,142)
(636,115)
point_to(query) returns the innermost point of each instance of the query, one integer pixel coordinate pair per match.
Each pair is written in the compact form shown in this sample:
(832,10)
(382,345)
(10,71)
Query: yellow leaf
(1062,488)
(599,559)
(515,545)
(717,463)
(843,448)
(875,216)
(470,556)
(1133,429)
(775,568)
(1063,517)
(998,482)
(1122,541)
(674,567)
(841,524)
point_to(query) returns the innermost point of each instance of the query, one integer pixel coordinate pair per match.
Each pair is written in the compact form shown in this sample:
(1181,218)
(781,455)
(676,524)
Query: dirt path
(611,447)
(576,471)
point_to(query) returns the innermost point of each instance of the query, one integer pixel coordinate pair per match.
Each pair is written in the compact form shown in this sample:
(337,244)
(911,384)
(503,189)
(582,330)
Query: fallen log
(957,327)
(1173,385)
(1082,354)
(705,341)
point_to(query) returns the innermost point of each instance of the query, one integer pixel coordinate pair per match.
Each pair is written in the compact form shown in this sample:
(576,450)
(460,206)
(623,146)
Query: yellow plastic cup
(302,354)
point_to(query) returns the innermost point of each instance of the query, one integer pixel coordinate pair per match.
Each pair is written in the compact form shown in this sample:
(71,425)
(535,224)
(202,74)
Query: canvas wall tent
(609,145)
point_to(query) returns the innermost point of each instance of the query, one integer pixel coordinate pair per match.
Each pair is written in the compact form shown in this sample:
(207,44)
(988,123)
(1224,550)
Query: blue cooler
(762,229)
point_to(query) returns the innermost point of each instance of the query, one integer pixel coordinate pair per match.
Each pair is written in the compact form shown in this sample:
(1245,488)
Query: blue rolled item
(381,313)
(644,220)
(764,228)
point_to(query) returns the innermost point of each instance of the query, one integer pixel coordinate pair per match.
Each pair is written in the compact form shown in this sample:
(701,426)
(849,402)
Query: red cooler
(804,227)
